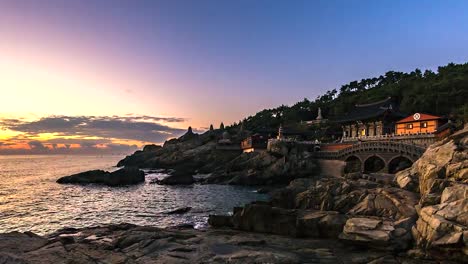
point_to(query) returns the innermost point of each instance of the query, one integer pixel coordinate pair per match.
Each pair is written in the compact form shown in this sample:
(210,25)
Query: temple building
(370,120)
(255,143)
(419,123)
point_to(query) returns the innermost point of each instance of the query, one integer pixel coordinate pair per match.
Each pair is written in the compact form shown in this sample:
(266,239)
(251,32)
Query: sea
(31,200)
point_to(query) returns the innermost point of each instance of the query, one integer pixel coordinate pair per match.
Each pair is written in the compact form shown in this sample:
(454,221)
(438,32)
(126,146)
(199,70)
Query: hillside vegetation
(444,93)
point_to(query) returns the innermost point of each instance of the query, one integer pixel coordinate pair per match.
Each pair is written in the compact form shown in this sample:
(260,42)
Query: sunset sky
(110,76)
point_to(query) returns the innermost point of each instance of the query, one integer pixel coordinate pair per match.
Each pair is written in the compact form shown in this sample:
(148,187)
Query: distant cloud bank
(86,134)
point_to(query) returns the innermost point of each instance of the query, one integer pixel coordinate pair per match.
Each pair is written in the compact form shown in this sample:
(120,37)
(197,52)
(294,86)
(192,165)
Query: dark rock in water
(182,210)
(220,220)
(267,189)
(125,176)
(185,226)
(178,179)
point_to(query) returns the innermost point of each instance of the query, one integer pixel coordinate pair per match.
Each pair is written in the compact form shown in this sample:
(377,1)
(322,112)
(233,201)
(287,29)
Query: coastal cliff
(194,153)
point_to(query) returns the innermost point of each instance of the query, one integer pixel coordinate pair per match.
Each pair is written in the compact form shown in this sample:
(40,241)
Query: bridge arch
(399,163)
(353,164)
(374,163)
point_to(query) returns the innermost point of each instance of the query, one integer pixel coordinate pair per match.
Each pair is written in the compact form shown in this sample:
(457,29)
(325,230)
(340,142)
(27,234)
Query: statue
(221,126)
(211,127)
(319,114)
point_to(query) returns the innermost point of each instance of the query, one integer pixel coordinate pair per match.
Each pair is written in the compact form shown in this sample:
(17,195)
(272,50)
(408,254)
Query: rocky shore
(419,215)
(422,213)
(126,243)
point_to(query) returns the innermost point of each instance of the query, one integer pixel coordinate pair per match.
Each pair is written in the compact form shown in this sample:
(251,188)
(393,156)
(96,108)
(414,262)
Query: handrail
(388,146)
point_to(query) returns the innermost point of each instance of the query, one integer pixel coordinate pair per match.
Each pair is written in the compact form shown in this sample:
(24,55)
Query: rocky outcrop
(441,230)
(376,233)
(266,219)
(199,153)
(125,176)
(353,197)
(266,168)
(190,154)
(320,224)
(126,243)
(407,179)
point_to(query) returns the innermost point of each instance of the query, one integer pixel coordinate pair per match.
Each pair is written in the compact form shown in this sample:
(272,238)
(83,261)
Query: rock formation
(423,212)
(125,176)
(126,243)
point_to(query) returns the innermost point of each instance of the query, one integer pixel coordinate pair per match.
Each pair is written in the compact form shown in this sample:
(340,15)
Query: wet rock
(16,242)
(182,210)
(220,220)
(177,179)
(125,176)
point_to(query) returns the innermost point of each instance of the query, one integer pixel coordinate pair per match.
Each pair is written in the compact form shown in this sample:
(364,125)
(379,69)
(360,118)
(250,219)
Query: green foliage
(444,92)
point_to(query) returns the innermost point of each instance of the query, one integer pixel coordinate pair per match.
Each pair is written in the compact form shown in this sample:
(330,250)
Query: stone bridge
(375,156)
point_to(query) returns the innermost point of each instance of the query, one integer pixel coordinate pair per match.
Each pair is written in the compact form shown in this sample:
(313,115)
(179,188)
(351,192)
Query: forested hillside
(444,92)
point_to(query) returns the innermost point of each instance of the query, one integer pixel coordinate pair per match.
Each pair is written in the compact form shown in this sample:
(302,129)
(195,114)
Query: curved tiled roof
(372,110)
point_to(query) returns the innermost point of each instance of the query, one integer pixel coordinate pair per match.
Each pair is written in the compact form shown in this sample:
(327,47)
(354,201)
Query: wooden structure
(418,123)
(257,142)
(373,119)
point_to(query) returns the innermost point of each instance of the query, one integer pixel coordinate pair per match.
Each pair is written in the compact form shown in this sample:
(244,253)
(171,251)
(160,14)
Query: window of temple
(424,124)
(363,132)
(409,126)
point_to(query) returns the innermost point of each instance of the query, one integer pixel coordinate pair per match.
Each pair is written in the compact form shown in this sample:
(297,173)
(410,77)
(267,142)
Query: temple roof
(386,107)
(419,117)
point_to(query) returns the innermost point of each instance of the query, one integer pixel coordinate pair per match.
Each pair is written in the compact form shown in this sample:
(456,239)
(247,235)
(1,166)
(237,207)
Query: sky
(110,76)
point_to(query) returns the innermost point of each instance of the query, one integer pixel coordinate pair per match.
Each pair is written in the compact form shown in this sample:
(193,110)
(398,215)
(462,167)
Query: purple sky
(207,61)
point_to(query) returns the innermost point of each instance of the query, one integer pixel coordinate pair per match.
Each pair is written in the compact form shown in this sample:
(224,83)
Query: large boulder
(442,164)
(407,180)
(177,179)
(220,220)
(323,224)
(391,203)
(375,233)
(264,218)
(125,176)
(442,230)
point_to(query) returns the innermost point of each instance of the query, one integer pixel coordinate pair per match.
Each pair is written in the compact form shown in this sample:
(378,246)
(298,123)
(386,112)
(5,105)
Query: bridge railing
(397,137)
(373,146)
